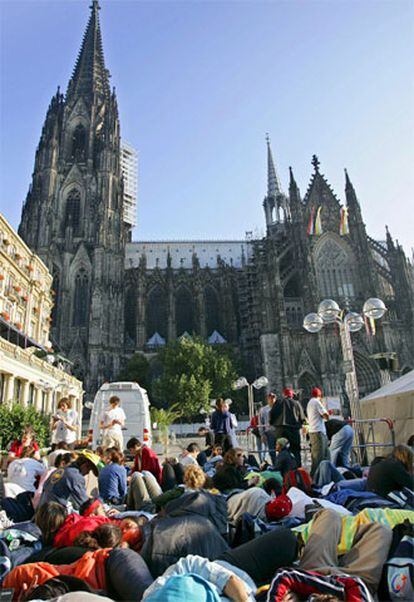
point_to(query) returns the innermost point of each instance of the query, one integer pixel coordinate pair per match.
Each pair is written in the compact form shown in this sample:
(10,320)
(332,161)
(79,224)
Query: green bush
(13,418)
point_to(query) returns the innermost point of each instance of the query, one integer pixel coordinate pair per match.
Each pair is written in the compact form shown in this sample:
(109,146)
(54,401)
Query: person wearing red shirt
(145,458)
(27,440)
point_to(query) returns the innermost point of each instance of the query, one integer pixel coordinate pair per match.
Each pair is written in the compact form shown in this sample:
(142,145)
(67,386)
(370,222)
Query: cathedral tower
(72,216)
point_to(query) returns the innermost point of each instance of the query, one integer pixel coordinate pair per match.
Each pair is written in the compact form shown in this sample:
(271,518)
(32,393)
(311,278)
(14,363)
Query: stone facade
(115,297)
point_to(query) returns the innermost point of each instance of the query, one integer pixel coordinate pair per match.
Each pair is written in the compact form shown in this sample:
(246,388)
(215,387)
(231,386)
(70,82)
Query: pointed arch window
(130,317)
(335,270)
(184,311)
(156,312)
(81,299)
(78,143)
(212,310)
(72,213)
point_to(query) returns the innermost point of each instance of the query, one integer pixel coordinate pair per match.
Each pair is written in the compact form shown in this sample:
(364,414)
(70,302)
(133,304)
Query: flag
(344,226)
(311,225)
(318,223)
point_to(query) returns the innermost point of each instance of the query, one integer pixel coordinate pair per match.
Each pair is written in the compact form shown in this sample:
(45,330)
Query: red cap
(278,508)
(288,392)
(91,509)
(316,392)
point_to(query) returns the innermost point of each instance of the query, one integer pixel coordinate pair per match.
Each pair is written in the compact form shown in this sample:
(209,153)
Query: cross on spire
(315,163)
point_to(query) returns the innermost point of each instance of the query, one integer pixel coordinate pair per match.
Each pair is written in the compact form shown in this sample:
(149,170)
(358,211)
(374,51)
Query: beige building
(26,302)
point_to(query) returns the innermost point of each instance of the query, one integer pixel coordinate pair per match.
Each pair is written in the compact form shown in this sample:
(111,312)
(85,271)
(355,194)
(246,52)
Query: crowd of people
(215,523)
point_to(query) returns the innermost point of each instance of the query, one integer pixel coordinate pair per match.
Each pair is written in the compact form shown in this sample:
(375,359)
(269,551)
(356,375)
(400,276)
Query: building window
(72,214)
(81,300)
(334,270)
(78,143)
(156,312)
(56,287)
(32,390)
(184,311)
(212,310)
(17,389)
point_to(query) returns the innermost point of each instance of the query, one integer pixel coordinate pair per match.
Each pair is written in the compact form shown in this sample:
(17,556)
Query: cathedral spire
(273,184)
(90,75)
(351,197)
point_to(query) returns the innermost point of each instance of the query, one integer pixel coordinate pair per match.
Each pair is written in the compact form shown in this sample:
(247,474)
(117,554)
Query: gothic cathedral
(114,297)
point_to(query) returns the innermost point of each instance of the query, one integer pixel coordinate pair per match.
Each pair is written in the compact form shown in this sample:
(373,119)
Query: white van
(134,402)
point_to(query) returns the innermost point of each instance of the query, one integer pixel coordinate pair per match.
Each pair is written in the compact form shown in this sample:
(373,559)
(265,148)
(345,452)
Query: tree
(193,373)
(137,370)
(15,417)
(164,419)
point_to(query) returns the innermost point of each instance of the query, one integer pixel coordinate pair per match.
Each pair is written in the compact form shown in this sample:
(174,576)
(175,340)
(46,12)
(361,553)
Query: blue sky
(199,84)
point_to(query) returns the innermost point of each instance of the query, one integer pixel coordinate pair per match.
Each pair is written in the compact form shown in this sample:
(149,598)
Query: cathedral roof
(319,191)
(90,74)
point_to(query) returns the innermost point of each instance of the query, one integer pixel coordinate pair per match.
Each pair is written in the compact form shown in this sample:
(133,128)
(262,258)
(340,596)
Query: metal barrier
(369,443)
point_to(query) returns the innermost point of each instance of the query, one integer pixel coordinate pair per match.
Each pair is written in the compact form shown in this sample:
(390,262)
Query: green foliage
(193,373)
(13,418)
(137,370)
(164,419)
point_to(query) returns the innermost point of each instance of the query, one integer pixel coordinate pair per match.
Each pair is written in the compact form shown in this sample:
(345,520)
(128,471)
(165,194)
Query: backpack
(397,581)
(299,478)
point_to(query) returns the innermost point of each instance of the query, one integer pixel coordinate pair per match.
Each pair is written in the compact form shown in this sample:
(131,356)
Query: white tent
(396,401)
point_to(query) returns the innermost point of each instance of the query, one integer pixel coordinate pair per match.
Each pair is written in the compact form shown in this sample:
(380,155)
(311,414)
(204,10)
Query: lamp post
(242,382)
(329,312)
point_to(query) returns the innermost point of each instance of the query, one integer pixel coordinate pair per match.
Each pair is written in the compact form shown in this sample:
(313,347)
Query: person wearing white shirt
(317,414)
(65,423)
(22,474)
(114,420)
(190,455)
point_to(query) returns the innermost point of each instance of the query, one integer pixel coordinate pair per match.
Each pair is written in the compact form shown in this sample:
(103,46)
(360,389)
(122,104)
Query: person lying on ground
(112,480)
(144,459)
(230,475)
(363,563)
(60,529)
(143,489)
(189,456)
(392,474)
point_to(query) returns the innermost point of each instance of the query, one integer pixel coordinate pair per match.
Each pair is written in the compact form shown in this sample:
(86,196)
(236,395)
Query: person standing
(64,423)
(114,420)
(317,414)
(266,431)
(341,436)
(221,424)
(287,418)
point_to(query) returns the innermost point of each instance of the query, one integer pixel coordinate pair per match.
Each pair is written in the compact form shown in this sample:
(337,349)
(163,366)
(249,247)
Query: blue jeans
(271,444)
(355,484)
(326,473)
(341,445)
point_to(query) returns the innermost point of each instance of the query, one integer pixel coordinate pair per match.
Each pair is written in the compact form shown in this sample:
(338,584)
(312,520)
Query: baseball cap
(94,459)
(283,442)
(278,508)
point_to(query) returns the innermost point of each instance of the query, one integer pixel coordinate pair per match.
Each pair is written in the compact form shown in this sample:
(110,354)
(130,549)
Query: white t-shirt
(24,471)
(114,414)
(61,432)
(188,460)
(315,410)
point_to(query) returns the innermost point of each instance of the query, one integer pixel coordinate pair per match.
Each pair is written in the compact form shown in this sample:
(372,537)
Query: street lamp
(242,382)
(329,312)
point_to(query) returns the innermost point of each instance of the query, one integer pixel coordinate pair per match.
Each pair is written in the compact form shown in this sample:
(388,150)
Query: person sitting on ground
(172,474)
(65,423)
(143,489)
(285,460)
(68,484)
(59,448)
(112,424)
(203,456)
(222,425)
(215,459)
(23,473)
(189,456)
(392,474)
(230,475)
(62,460)
(145,459)
(194,479)
(112,481)
(26,440)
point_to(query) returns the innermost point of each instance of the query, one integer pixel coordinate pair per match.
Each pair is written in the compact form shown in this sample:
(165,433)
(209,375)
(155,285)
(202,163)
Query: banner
(344,226)
(311,224)
(318,223)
